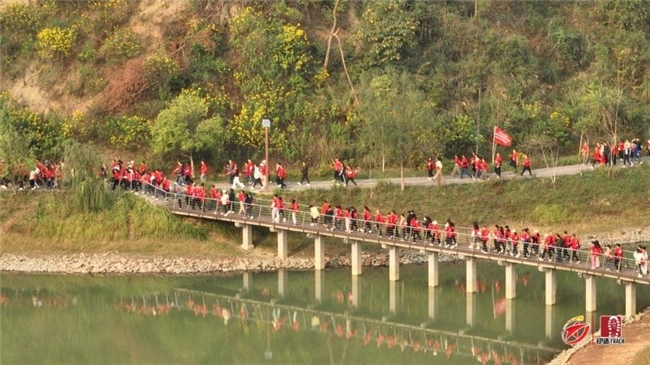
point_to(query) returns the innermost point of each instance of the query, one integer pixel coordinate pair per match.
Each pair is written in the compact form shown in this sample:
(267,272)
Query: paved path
(423,181)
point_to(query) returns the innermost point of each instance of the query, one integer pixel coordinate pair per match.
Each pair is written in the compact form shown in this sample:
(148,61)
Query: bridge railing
(261,211)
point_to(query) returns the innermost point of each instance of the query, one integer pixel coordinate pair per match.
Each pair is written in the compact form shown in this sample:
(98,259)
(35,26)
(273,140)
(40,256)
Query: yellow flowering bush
(54,42)
(128,132)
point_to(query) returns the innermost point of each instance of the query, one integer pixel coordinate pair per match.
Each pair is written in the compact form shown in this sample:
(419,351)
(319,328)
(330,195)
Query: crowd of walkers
(44,175)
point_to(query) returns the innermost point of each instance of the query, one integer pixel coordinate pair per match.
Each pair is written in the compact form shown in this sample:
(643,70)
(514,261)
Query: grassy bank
(594,202)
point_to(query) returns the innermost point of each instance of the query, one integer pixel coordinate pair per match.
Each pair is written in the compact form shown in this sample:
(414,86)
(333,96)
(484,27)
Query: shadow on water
(292,317)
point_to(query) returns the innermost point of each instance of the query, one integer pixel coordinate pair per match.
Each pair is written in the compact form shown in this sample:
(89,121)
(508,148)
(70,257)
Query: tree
(14,149)
(185,128)
(396,117)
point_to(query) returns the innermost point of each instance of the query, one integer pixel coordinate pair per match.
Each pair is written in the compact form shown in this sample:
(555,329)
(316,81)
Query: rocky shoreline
(115,263)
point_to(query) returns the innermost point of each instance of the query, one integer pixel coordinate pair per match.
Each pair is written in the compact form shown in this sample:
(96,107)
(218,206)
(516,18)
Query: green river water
(292,318)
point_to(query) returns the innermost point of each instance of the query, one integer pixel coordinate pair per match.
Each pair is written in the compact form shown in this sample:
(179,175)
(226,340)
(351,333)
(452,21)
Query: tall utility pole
(266,123)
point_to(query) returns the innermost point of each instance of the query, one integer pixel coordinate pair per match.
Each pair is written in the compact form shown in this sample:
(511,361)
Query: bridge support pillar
(356,291)
(630,300)
(247,278)
(511,281)
(283,282)
(392,304)
(551,287)
(356,258)
(319,255)
(470,284)
(247,237)
(393,264)
(590,293)
(510,315)
(434,280)
(433,305)
(282,244)
(549,323)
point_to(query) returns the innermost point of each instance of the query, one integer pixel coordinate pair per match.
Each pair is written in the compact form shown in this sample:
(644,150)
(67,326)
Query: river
(292,318)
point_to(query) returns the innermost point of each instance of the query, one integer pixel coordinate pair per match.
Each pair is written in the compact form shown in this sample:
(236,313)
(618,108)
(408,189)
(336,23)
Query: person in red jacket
(464,165)
(204,171)
(339,173)
(514,160)
(484,237)
(525,240)
(575,248)
(391,222)
(456,169)
(367,220)
(498,161)
(281,174)
(526,165)
(618,255)
(379,222)
(430,167)
(294,211)
(241,197)
(350,173)
(450,234)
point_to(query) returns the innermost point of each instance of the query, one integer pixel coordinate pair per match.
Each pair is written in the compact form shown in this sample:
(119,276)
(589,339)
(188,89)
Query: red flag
(501,137)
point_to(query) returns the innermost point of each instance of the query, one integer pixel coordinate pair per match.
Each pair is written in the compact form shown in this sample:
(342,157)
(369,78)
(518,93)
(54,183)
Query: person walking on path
(584,151)
(514,160)
(526,165)
(430,168)
(497,165)
(304,172)
(204,171)
(350,174)
(456,169)
(438,177)
(463,167)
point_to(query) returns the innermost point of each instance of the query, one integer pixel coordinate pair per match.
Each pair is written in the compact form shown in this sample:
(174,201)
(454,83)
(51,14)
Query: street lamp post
(266,123)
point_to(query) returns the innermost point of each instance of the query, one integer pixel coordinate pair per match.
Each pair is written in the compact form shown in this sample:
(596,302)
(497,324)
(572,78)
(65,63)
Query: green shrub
(122,44)
(159,71)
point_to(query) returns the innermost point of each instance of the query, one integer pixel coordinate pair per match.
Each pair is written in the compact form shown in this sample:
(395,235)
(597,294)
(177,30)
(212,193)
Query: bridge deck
(262,218)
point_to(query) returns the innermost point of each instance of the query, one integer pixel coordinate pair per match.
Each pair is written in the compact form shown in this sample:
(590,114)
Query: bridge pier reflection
(392,301)
(510,315)
(319,285)
(283,282)
(471,309)
(356,291)
(433,304)
(549,323)
(247,278)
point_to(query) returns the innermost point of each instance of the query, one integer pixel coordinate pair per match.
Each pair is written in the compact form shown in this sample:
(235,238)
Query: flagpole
(494,130)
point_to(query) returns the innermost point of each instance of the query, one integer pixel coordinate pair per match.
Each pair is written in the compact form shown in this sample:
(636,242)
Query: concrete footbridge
(261,214)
